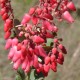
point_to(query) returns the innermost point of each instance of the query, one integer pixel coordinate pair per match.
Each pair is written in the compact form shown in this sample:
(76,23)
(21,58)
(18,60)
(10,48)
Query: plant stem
(28,76)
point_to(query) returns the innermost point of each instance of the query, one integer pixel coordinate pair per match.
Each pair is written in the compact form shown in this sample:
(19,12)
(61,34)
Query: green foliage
(39,76)
(24,1)
(18,77)
(21,74)
(49,42)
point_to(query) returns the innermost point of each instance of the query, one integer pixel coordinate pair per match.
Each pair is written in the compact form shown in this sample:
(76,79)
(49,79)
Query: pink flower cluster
(28,47)
(7,16)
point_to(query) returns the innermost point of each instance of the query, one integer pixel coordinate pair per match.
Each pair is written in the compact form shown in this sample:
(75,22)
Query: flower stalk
(27,40)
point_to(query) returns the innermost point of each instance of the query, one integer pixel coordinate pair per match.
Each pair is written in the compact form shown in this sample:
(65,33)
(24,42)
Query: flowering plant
(27,42)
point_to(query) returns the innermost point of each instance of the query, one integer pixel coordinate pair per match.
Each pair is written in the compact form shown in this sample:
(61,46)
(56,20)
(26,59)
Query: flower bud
(54,51)
(60,46)
(60,61)
(34,20)
(54,66)
(24,64)
(53,58)
(3,1)
(47,25)
(2,5)
(3,11)
(4,16)
(14,41)
(38,11)
(38,39)
(27,67)
(12,52)
(47,60)
(17,64)
(19,45)
(48,16)
(8,44)
(7,34)
(42,51)
(55,40)
(71,6)
(23,49)
(8,25)
(66,15)
(55,29)
(46,68)
(60,56)
(31,11)
(49,35)
(26,19)
(16,56)
(35,62)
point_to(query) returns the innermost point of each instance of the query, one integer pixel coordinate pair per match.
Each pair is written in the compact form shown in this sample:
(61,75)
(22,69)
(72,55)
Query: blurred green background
(71,39)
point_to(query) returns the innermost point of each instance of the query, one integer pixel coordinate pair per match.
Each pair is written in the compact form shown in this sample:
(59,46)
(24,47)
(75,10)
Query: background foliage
(69,32)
